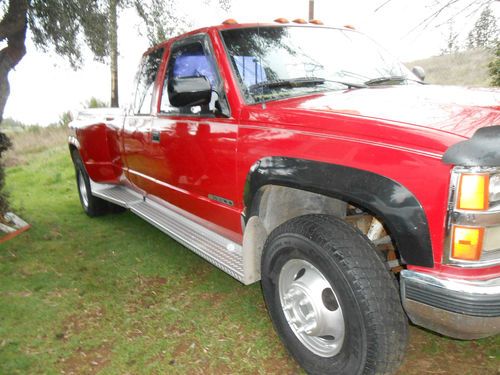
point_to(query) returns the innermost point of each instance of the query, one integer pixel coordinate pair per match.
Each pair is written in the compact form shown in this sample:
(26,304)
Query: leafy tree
(494,68)
(452,45)
(162,19)
(485,31)
(64,119)
(62,25)
(95,103)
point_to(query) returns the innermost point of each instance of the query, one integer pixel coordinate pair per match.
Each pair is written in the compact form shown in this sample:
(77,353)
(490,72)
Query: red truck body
(203,164)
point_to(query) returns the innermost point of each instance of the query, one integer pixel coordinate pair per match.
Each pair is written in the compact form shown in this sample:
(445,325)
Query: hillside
(468,68)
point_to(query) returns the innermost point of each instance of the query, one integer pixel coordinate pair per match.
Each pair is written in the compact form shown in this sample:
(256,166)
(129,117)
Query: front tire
(331,299)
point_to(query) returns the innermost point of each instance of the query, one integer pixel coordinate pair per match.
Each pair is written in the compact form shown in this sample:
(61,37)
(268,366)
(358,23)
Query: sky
(43,85)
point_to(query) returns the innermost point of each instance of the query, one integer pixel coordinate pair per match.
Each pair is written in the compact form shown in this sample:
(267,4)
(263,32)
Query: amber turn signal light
(467,243)
(473,192)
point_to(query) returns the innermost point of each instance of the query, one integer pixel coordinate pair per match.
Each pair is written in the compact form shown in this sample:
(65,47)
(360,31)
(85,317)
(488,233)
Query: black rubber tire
(93,206)
(376,327)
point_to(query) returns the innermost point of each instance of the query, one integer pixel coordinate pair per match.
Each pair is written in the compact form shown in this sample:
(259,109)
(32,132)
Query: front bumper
(452,307)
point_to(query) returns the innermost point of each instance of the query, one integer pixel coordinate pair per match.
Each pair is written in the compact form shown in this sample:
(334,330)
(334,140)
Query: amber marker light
(316,22)
(299,20)
(467,243)
(281,20)
(473,192)
(230,21)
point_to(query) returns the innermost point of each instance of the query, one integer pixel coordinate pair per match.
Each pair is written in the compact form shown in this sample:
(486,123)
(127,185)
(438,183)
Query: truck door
(193,152)
(137,125)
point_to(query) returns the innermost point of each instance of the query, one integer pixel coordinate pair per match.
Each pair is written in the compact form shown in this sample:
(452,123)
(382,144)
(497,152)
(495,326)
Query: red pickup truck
(308,158)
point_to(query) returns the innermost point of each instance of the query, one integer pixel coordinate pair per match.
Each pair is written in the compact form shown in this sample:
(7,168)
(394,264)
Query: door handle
(155,136)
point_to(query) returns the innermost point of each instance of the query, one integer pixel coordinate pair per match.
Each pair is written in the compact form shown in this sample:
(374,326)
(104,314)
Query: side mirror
(189,91)
(419,72)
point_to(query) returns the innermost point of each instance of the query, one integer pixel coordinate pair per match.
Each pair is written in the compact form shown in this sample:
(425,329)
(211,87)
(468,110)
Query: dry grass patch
(33,140)
(468,68)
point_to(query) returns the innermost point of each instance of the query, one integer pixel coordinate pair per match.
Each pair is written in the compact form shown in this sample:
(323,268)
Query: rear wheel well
(73,150)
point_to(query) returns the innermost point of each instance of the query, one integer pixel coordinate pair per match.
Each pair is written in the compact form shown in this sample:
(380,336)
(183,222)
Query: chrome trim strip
(474,218)
(478,287)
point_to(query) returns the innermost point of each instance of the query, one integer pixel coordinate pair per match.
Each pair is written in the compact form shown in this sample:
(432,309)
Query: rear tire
(332,301)
(92,205)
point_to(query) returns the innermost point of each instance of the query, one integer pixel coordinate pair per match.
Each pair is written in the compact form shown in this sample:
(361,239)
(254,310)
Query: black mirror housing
(189,91)
(419,72)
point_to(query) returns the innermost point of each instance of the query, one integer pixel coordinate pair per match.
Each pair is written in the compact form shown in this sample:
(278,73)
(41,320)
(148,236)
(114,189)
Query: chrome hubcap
(311,308)
(83,189)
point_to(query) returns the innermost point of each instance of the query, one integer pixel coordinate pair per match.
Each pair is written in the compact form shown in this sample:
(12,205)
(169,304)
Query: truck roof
(232,24)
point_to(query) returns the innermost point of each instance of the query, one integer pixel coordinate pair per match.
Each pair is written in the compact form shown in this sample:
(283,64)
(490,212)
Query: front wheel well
(274,205)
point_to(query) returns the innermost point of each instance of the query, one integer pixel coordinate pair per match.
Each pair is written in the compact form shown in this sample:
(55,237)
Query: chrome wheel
(83,189)
(311,308)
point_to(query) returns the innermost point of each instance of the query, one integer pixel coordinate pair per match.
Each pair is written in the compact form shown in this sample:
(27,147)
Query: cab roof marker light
(350,27)
(230,21)
(299,20)
(316,22)
(281,20)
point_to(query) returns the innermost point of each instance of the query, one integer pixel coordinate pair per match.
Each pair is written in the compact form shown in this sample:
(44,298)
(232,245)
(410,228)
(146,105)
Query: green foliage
(485,31)
(65,118)
(494,68)
(162,19)
(95,103)
(68,25)
(11,124)
(452,42)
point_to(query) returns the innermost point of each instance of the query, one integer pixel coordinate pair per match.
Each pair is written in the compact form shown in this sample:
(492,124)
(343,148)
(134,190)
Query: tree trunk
(113,51)
(12,30)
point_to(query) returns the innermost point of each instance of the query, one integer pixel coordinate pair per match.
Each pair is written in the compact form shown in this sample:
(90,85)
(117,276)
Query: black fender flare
(385,198)
(481,150)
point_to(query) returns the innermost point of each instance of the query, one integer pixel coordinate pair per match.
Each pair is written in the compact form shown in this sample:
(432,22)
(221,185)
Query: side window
(188,60)
(145,82)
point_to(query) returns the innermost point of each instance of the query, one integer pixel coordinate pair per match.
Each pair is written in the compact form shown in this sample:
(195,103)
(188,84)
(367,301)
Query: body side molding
(397,206)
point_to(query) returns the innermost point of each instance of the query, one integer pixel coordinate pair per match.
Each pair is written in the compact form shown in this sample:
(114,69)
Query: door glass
(145,82)
(189,60)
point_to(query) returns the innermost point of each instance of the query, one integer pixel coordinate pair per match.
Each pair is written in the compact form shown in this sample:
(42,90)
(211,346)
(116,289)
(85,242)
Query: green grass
(113,295)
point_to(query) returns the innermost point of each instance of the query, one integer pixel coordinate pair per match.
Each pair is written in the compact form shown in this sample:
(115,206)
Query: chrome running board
(218,250)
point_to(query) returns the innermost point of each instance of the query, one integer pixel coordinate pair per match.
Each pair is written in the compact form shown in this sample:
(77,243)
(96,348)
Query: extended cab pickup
(308,158)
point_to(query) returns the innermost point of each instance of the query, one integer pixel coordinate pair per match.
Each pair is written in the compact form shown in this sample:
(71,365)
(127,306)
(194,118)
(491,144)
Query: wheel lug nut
(303,302)
(309,326)
(309,316)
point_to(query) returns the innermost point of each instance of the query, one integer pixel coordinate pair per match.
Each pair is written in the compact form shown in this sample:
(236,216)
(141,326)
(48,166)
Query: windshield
(276,62)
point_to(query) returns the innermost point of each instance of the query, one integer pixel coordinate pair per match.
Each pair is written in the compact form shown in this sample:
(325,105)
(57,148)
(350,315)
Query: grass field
(466,68)
(113,295)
